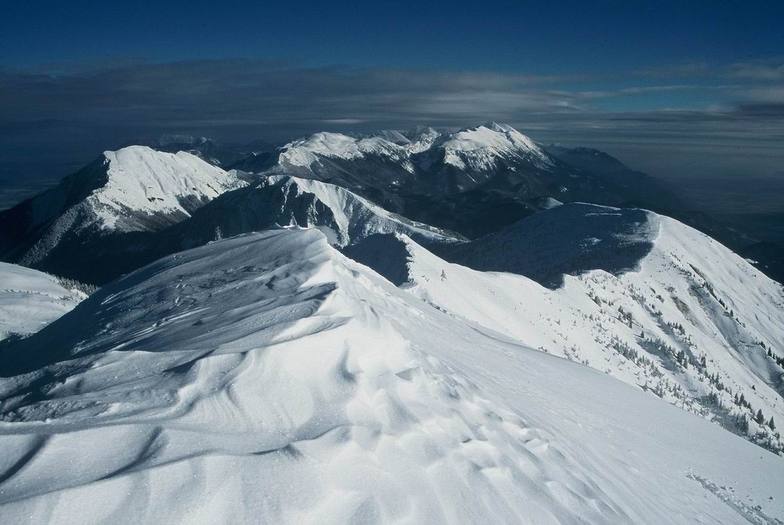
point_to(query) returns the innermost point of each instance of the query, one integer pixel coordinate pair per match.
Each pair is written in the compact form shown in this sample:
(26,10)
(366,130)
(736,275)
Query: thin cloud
(758,70)
(70,110)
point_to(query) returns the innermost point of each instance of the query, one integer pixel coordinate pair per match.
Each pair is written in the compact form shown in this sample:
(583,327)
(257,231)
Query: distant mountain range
(471,182)
(359,321)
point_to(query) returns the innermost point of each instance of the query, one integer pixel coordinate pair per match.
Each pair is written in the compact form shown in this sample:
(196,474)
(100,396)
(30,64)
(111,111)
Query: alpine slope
(631,293)
(269,378)
(134,189)
(29,300)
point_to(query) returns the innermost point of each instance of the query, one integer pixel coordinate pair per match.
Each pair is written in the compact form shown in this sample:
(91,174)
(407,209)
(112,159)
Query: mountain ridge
(369,393)
(682,317)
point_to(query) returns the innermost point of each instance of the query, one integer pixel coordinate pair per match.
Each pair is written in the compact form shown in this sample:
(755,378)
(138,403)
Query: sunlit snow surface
(355,217)
(478,149)
(143,181)
(29,300)
(474,149)
(647,299)
(267,378)
(134,189)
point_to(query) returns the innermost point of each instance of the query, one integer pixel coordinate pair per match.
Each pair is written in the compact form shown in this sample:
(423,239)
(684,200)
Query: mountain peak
(145,181)
(481,148)
(500,127)
(132,189)
(307,152)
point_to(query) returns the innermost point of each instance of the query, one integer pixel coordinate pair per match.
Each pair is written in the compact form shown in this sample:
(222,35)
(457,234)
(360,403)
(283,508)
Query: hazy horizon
(718,181)
(703,99)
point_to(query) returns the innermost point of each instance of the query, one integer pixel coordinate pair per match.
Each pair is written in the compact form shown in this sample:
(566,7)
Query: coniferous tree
(772,424)
(759,418)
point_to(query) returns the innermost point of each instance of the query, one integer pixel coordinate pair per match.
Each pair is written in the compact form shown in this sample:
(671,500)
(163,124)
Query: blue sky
(515,36)
(646,81)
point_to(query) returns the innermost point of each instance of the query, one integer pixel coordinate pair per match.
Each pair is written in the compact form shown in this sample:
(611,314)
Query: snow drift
(268,378)
(29,300)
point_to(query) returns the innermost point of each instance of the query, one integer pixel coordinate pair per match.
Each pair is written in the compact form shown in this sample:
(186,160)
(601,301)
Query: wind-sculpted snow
(689,320)
(267,378)
(29,300)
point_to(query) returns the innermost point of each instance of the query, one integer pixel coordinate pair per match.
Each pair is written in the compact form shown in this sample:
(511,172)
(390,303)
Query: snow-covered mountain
(29,300)
(281,200)
(146,188)
(470,182)
(473,181)
(424,159)
(483,148)
(135,189)
(268,378)
(639,296)
(474,151)
(267,202)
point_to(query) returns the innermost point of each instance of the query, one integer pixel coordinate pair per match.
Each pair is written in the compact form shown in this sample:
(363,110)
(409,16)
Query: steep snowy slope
(567,239)
(481,149)
(29,300)
(144,182)
(285,200)
(266,378)
(132,189)
(687,320)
